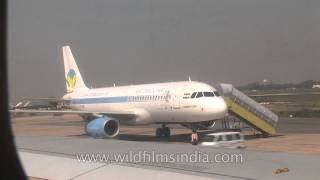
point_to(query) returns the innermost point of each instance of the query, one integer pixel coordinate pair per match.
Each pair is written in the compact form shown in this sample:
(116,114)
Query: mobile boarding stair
(248,110)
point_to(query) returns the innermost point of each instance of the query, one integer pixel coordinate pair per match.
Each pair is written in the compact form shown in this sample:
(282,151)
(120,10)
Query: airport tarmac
(295,135)
(52,139)
(254,164)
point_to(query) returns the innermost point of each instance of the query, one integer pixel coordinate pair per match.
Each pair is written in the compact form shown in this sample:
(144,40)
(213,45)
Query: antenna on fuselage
(114,84)
(189,79)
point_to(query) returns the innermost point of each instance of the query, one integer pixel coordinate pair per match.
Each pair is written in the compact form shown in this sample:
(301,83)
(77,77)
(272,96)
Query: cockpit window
(200,94)
(208,94)
(194,95)
(204,94)
(216,93)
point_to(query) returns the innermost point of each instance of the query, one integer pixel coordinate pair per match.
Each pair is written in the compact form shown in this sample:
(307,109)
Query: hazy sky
(145,41)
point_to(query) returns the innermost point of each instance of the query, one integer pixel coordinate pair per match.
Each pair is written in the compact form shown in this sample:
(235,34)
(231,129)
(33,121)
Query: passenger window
(207,139)
(194,95)
(237,136)
(200,94)
(218,138)
(229,138)
(208,94)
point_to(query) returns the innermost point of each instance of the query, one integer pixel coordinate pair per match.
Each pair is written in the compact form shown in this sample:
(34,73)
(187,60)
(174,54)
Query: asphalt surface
(285,125)
(299,125)
(63,136)
(254,164)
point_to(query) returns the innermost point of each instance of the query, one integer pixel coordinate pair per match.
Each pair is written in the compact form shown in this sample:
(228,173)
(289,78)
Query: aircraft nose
(215,108)
(218,108)
(221,107)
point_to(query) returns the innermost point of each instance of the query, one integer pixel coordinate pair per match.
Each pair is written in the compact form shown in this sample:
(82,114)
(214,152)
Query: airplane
(191,104)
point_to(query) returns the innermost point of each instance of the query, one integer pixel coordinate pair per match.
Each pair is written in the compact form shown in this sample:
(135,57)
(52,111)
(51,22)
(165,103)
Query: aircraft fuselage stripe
(101,100)
(115,99)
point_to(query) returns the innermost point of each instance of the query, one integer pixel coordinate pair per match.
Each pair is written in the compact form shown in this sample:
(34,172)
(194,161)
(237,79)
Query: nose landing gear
(163,131)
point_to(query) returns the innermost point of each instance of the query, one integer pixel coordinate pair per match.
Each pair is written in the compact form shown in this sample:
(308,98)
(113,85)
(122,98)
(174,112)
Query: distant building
(316,86)
(265,82)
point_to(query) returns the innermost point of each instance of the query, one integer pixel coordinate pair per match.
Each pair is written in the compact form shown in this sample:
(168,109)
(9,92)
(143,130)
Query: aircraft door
(176,98)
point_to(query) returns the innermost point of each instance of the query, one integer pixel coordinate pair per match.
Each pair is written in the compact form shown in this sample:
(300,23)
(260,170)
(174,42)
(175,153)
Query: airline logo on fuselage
(71,79)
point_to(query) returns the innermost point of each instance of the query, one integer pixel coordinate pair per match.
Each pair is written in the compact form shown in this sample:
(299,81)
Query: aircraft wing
(122,114)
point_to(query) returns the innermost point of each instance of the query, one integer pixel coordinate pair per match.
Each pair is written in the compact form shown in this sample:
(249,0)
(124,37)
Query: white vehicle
(189,103)
(223,139)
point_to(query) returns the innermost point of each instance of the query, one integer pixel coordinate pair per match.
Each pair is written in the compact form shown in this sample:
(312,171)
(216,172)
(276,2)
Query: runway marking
(86,172)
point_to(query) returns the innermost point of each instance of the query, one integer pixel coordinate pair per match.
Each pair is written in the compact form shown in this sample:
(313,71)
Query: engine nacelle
(102,127)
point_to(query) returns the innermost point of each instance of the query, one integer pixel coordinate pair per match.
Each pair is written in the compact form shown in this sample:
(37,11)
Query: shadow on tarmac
(175,138)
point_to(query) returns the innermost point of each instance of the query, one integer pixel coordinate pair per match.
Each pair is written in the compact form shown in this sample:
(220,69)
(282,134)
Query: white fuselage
(154,103)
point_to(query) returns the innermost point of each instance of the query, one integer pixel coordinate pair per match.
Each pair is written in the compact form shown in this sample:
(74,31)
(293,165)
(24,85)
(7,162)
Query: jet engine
(102,127)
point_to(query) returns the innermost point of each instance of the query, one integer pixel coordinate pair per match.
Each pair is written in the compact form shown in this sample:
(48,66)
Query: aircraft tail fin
(73,77)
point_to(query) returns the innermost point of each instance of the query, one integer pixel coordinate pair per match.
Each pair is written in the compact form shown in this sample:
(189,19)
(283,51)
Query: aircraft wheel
(158,132)
(166,132)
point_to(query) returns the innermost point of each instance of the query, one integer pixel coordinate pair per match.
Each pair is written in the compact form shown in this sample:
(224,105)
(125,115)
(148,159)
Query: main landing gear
(163,131)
